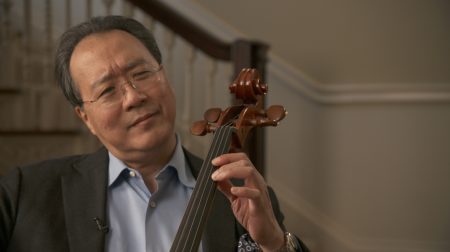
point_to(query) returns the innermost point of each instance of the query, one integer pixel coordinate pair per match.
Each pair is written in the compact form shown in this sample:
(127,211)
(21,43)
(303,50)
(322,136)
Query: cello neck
(192,225)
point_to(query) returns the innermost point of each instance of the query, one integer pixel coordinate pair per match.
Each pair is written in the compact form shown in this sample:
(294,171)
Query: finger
(238,170)
(245,192)
(256,199)
(229,158)
(225,188)
(233,165)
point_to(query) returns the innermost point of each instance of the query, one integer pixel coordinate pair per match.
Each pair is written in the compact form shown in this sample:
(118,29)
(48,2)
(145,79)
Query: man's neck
(149,163)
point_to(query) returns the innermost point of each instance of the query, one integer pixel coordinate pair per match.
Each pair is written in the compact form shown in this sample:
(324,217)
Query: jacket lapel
(84,198)
(220,231)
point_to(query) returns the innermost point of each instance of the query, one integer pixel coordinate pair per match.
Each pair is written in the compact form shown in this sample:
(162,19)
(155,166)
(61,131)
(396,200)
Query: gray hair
(74,35)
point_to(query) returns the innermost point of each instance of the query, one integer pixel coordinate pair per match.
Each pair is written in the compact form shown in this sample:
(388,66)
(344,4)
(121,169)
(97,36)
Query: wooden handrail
(242,53)
(185,28)
(9,90)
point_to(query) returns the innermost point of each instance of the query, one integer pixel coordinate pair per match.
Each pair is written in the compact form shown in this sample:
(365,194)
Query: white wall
(349,41)
(362,174)
(361,162)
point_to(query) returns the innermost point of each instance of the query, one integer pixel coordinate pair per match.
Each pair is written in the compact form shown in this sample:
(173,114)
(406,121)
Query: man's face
(142,121)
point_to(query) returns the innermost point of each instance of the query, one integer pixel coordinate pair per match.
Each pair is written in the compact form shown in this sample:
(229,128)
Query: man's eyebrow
(134,64)
(109,76)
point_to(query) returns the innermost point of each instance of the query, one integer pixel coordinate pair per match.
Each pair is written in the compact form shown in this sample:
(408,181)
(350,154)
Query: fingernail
(233,189)
(214,175)
(215,161)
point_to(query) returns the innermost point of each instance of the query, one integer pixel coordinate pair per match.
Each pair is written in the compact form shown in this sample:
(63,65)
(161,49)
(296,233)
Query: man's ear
(84,117)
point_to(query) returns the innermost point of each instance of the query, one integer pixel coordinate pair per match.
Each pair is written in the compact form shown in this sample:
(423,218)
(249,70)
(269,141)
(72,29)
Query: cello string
(201,206)
(197,196)
(193,201)
(205,183)
(205,172)
(210,184)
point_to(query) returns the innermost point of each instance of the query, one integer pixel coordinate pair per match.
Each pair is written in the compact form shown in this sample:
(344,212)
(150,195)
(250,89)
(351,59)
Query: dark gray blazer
(50,206)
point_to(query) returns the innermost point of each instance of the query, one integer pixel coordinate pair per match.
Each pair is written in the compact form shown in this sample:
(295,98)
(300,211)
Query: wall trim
(337,93)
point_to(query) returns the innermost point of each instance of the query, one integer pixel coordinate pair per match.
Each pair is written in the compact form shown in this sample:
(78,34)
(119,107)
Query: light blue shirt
(138,220)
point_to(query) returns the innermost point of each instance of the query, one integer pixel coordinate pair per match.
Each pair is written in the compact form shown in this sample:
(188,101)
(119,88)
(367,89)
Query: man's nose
(127,85)
(132,96)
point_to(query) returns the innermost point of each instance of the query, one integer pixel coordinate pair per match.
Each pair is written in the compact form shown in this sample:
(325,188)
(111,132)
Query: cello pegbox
(248,86)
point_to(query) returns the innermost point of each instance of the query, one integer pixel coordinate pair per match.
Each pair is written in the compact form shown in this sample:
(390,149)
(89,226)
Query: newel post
(250,54)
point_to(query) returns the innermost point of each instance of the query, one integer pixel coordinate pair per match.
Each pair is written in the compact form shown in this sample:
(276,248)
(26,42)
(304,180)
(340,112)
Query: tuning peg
(200,128)
(212,115)
(276,113)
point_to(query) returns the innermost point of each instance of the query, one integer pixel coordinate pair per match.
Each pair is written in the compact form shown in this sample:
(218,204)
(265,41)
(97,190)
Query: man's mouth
(142,119)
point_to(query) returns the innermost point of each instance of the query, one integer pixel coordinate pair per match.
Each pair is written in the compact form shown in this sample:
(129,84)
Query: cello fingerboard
(192,225)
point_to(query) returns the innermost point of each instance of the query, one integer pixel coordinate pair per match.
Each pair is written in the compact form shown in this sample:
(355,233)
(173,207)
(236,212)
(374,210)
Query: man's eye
(142,75)
(106,92)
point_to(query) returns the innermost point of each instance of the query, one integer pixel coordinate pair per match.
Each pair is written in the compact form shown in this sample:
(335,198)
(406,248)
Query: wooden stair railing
(241,53)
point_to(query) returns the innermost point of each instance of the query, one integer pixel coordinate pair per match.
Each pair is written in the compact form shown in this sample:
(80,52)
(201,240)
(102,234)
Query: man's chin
(152,141)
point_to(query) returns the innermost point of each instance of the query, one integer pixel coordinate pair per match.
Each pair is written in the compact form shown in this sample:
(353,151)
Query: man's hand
(250,202)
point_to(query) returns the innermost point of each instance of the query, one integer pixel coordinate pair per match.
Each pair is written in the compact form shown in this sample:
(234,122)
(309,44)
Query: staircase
(36,122)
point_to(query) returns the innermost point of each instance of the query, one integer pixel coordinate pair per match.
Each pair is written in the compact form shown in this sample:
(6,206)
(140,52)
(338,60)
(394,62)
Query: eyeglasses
(141,79)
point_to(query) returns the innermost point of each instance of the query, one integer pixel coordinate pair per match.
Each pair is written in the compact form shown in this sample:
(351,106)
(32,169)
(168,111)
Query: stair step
(39,132)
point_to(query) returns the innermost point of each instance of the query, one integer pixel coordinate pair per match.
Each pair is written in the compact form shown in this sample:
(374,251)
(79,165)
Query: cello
(231,128)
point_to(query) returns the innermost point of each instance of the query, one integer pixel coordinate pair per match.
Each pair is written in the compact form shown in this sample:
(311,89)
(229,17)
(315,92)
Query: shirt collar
(177,161)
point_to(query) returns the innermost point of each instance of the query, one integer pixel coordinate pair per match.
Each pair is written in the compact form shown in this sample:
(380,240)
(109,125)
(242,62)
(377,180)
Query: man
(131,194)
